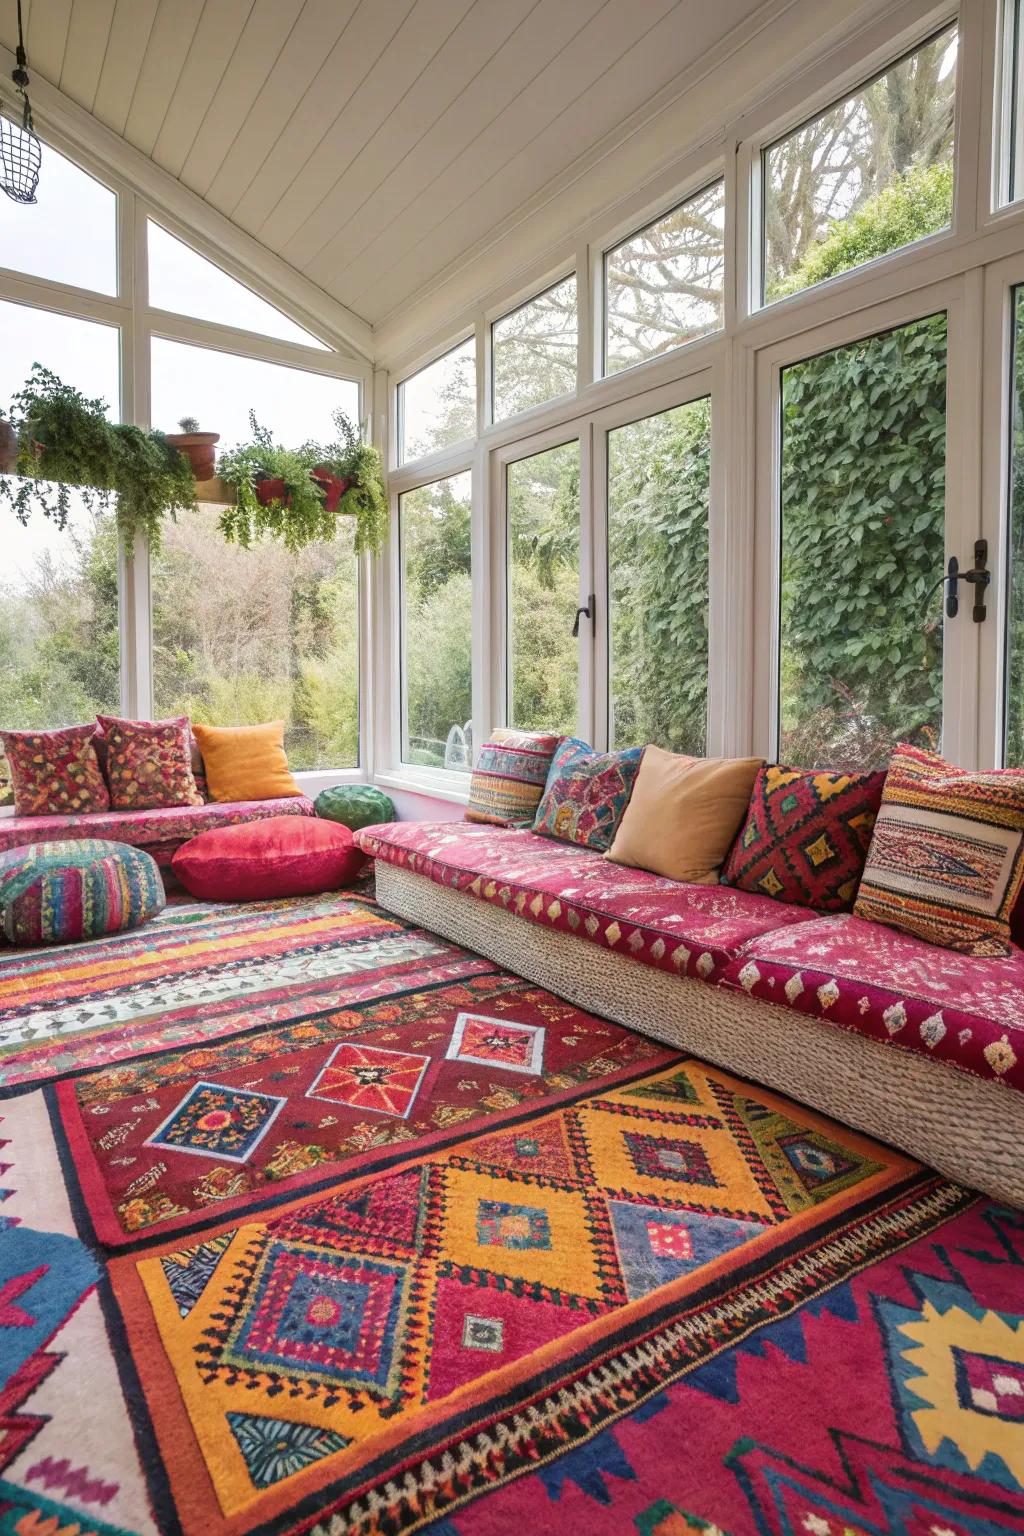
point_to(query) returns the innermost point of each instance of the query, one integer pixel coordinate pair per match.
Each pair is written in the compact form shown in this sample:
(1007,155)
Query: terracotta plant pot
(8,447)
(270,490)
(198,449)
(332,487)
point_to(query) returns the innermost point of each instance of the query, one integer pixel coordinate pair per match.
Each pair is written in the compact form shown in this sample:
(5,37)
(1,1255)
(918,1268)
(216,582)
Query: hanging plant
(66,442)
(297,494)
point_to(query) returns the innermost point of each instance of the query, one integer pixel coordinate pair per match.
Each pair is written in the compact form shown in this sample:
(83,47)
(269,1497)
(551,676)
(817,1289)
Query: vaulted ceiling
(370,143)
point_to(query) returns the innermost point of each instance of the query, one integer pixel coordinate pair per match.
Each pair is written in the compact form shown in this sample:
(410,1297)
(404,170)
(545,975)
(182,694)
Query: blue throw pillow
(586,793)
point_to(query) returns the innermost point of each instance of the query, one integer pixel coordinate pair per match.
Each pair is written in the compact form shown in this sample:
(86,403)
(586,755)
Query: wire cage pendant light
(21,153)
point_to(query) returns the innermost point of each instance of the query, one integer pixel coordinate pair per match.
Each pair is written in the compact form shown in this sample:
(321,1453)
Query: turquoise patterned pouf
(58,893)
(355,805)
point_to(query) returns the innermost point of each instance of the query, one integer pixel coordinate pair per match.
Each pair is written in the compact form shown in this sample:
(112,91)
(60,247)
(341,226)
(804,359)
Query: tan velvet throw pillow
(684,814)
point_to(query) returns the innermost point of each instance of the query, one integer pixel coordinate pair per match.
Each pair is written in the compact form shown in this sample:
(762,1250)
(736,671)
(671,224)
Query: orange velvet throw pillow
(245,762)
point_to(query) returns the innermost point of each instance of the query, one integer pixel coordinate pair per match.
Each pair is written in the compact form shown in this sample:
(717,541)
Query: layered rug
(311,1221)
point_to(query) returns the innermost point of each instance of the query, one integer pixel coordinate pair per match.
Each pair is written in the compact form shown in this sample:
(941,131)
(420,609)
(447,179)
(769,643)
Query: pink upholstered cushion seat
(684,929)
(160,831)
(890,986)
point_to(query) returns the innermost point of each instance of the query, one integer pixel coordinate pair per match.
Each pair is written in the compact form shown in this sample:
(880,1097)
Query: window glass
(437,625)
(186,283)
(533,351)
(663,286)
(59,633)
(246,635)
(1014,671)
(241,636)
(863,516)
(437,406)
(1014,83)
(543,589)
(658,497)
(869,176)
(69,234)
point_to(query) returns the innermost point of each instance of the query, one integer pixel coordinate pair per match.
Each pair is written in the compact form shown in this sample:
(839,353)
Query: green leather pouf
(355,805)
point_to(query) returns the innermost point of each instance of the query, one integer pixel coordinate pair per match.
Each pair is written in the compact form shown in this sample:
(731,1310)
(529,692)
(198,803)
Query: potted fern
(198,447)
(352,476)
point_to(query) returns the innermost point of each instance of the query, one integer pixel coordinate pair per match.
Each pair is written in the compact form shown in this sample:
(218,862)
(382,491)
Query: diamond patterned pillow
(586,793)
(55,773)
(149,763)
(946,861)
(806,836)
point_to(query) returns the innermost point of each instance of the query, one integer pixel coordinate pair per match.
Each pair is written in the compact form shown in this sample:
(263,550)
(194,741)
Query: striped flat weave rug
(313,1222)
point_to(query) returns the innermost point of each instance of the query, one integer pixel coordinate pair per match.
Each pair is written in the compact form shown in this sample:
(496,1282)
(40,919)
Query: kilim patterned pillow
(55,773)
(806,836)
(509,777)
(586,794)
(946,861)
(149,763)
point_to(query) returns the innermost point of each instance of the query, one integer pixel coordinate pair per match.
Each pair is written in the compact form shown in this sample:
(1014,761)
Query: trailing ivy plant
(365,499)
(66,442)
(297,516)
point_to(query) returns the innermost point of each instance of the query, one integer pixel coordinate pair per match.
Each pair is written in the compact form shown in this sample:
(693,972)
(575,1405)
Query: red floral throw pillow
(806,836)
(55,773)
(149,763)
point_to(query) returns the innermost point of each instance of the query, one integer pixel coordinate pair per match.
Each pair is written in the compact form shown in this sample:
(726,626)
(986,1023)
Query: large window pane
(663,286)
(69,234)
(870,175)
(219,388)
(246,635)
(437,406)
(863,508)
(59,636)
(1014,83)
(437,625)
(658,489)
(533,351)
(1014,674)
(187,284)
(543,580)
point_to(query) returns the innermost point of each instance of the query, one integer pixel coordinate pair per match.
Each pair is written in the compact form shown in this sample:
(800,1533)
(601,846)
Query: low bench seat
(907,1042)
(159,833)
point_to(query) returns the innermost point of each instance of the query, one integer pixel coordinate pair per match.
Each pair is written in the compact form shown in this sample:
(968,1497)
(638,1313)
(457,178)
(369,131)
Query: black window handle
(591,613)
(979,579)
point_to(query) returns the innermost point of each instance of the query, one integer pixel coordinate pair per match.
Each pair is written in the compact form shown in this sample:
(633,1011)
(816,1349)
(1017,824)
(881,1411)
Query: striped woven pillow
(509,777)
(946,861)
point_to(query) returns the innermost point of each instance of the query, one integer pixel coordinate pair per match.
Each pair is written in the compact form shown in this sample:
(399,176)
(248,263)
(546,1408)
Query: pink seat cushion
(160,832)
(864,976)
(684,929)
(282,856)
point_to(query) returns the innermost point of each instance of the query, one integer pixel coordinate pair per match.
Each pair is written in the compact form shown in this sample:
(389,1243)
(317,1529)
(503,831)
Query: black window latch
(590,612)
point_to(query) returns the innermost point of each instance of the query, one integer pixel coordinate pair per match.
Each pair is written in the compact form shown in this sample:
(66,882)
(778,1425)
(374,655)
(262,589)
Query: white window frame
(518,418)
(138,323)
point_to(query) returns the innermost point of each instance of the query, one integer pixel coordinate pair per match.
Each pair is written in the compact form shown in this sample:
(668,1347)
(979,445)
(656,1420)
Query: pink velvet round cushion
(257,861)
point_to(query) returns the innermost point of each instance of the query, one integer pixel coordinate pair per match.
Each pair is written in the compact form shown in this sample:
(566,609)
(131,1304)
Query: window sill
(456,793)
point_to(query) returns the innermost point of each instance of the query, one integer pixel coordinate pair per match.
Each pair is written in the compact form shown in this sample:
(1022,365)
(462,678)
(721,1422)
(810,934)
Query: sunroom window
(437,625)
(533,351)
(663,286)
(69,235)
(871,175)
(437,405)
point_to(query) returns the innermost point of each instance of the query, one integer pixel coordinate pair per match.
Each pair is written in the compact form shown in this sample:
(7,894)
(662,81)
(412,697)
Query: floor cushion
(257,861)
(60,892)
(586,793)
(55,773)
(354,805)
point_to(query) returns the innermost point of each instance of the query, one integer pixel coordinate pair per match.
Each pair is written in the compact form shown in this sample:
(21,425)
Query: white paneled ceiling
(370,143)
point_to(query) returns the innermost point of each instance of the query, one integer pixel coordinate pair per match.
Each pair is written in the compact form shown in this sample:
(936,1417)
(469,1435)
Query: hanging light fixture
(20,151)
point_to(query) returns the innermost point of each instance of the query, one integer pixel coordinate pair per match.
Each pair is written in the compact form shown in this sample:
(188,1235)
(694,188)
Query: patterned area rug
(313,1222)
